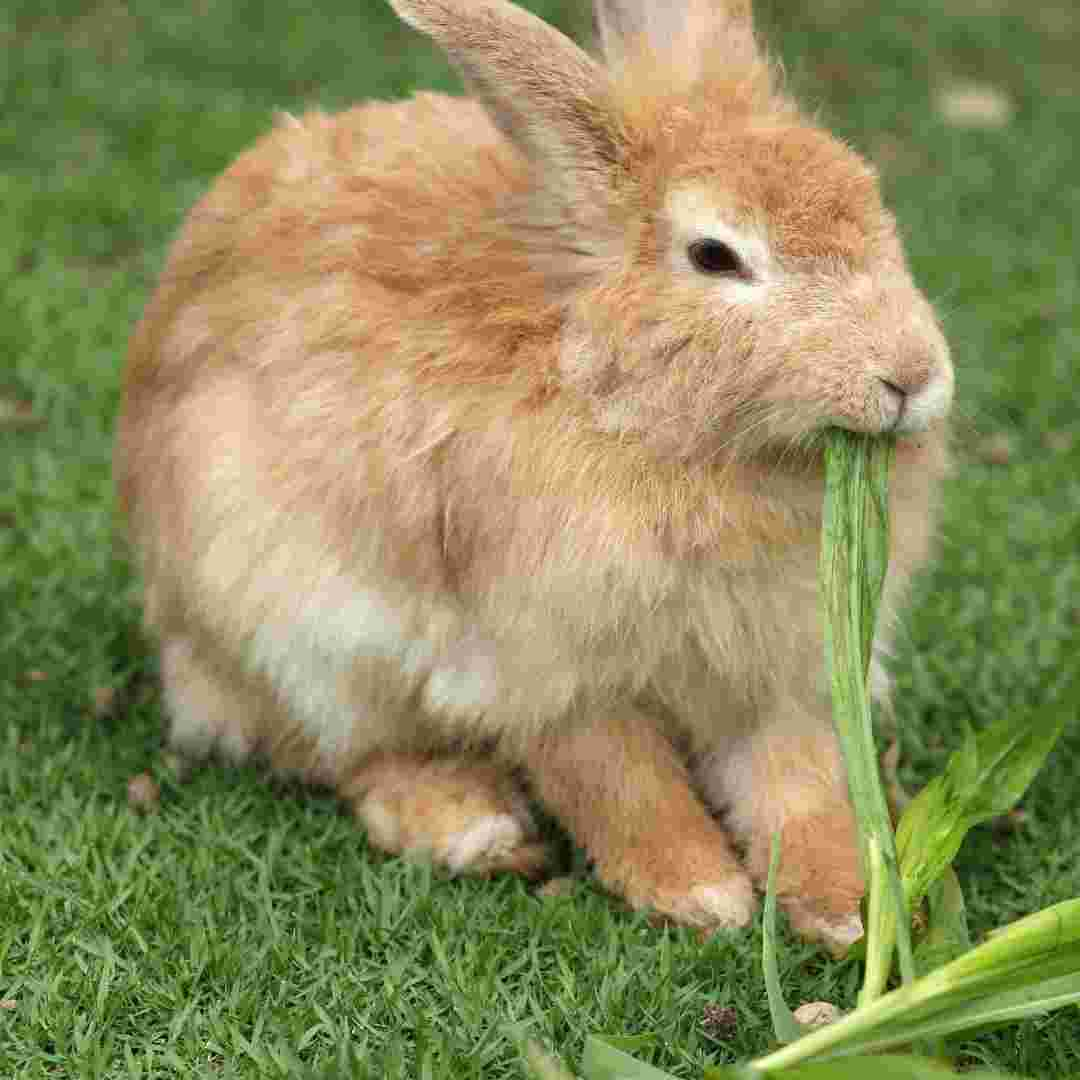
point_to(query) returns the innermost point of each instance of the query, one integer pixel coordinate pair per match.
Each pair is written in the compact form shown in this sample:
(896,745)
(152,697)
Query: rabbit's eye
(715,257)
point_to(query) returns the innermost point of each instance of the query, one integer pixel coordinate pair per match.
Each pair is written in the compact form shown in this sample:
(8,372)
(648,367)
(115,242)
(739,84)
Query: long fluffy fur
(426,447)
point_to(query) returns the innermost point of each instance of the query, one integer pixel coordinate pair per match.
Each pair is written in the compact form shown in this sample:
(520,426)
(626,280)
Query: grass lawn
(236,932)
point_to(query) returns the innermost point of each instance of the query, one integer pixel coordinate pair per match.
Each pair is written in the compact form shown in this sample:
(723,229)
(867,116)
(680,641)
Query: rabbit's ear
(542,90)
(683,27)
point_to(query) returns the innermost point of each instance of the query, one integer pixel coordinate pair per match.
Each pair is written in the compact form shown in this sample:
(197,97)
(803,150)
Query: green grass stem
(854,561)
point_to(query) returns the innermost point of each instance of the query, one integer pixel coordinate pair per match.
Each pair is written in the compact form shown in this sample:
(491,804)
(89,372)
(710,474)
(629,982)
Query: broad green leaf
(983,779)
(632,1044)
(947,935)
(1024,969)
(602,1061)
(883,1067)
(785,1026)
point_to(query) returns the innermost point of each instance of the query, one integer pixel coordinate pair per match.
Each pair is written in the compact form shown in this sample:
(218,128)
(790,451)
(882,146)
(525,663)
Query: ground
(235,929)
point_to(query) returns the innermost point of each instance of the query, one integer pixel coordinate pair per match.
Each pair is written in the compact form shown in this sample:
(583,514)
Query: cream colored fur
(437,448)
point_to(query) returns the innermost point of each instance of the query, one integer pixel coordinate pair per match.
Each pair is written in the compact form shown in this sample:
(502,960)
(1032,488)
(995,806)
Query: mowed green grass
(245,931)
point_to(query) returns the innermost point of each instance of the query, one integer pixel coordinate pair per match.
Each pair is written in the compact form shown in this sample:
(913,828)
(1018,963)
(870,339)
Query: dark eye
(715,257)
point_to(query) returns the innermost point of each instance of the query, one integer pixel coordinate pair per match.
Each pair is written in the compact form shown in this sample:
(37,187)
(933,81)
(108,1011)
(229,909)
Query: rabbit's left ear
(542,90)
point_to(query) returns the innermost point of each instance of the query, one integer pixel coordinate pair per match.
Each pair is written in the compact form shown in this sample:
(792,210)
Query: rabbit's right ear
(693,32)
(544,92)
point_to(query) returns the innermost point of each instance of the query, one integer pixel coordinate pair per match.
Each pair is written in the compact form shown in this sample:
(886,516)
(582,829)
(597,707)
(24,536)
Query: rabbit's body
(441,463)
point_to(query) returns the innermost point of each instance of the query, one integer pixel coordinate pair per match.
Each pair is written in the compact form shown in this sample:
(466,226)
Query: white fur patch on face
(694,213)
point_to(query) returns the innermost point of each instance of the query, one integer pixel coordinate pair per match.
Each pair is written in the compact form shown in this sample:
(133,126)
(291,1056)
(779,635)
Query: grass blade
(854,559)
(542,1064)
(602,1061)
(785,1026)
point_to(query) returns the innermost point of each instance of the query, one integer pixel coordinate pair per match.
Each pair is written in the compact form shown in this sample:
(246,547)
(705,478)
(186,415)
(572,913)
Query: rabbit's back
(312,451)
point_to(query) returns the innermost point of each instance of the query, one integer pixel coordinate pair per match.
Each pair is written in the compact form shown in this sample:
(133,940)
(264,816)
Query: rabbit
(471,455)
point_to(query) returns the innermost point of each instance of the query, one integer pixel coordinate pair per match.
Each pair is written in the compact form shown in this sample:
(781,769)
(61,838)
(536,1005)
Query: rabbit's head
(730,279)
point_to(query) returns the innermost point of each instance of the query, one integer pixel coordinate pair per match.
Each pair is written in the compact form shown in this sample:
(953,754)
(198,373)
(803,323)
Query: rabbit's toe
(729,904)
(836,932)
(725,904)
(492,844)
(820,883)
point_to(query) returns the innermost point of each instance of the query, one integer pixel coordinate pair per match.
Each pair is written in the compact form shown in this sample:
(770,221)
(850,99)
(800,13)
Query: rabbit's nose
(914,404)
(893,400)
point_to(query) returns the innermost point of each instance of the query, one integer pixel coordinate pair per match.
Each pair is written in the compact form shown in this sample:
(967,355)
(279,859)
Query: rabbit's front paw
(836,931)
(725,903)
(820,881)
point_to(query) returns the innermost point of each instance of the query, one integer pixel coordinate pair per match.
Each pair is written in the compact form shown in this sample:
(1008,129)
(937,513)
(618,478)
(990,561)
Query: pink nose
(917,358)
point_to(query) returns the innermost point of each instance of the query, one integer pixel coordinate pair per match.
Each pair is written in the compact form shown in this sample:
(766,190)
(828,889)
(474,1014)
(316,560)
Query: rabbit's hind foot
(211,712)
(466,816)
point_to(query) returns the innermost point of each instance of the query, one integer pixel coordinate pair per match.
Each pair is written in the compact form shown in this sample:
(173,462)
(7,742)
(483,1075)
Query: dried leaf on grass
(18,415)
(143,793)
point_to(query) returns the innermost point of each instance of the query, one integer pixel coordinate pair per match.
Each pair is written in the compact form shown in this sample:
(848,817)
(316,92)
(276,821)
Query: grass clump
(235,927)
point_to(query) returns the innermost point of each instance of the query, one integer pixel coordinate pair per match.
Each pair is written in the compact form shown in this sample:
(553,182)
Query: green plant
(1026,968)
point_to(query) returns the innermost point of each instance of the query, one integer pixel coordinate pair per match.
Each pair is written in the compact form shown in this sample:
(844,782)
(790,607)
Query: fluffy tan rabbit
(470,451)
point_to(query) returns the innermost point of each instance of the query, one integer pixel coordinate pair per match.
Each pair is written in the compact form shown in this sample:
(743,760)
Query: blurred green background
(233,932)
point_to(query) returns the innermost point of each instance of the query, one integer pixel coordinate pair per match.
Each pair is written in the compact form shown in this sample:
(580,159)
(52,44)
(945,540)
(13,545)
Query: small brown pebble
(143,793)
(37,676)
(817,1014)
(102,701)
(557,886)
(719,1021)
(996,449)
(7,1003)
